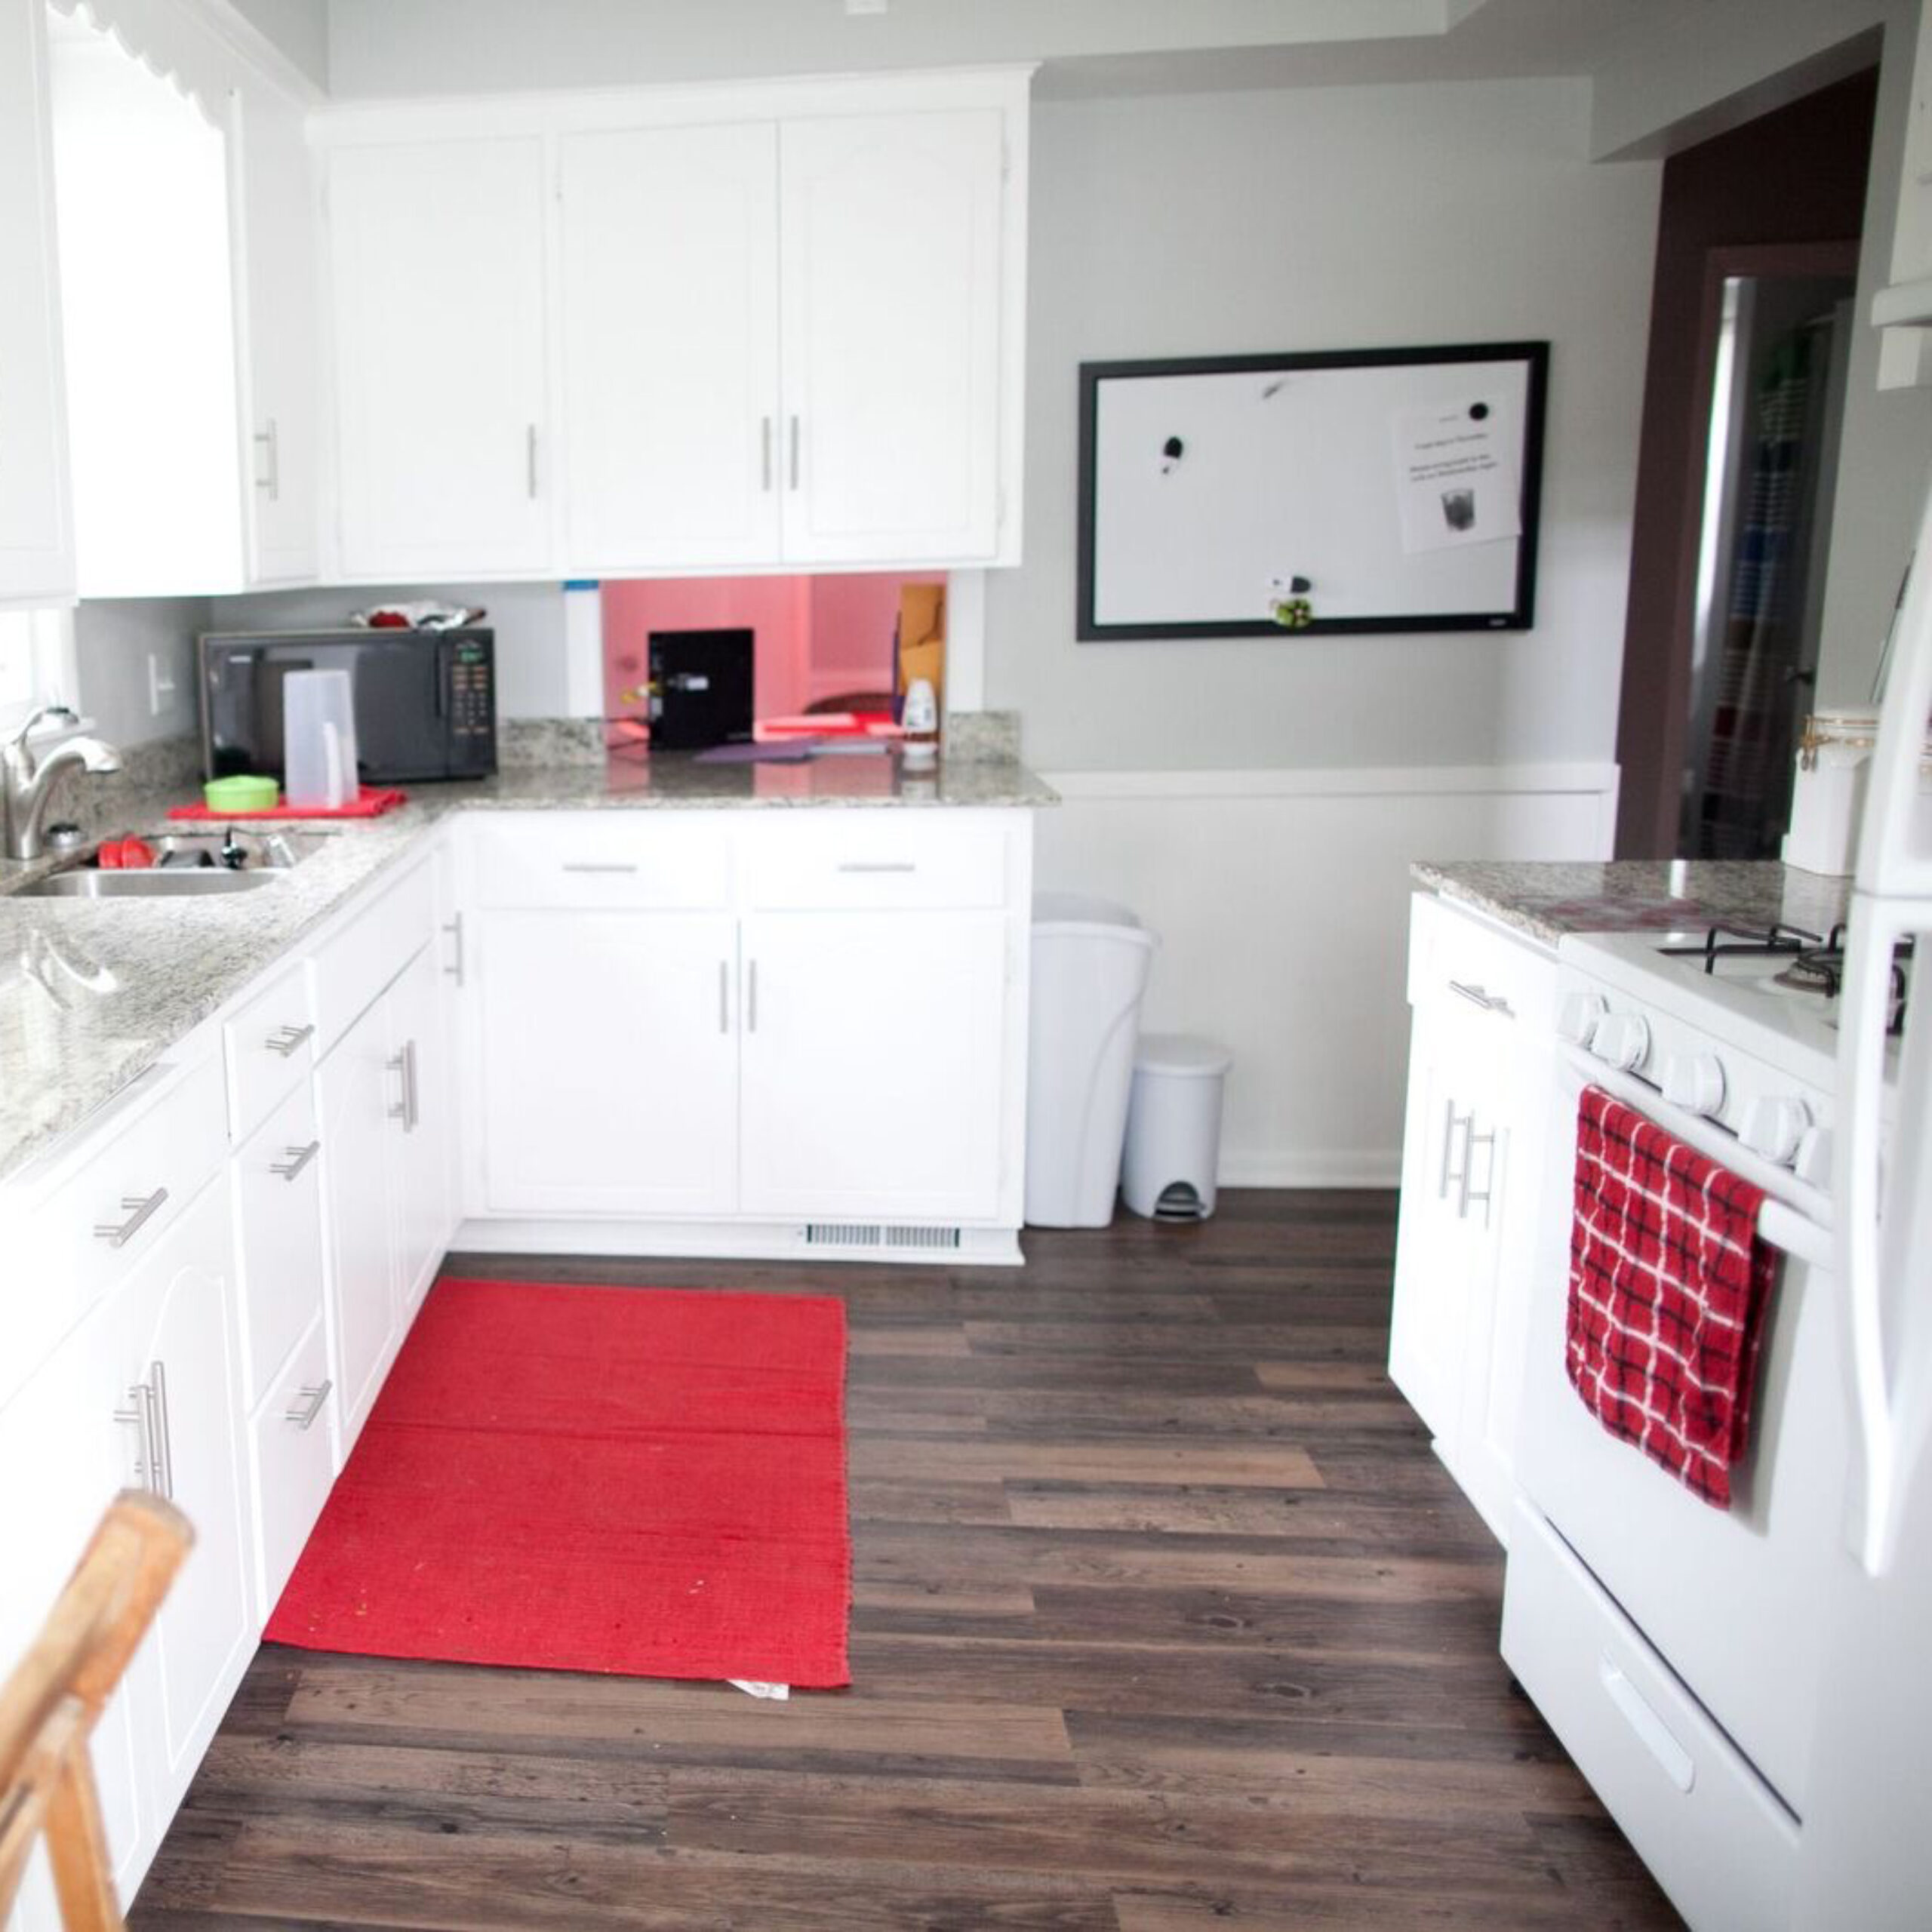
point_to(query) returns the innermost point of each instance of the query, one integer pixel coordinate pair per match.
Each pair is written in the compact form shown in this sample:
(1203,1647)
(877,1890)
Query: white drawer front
(1711,1831)
(630,860)
(104,1219)
(874,861)
(290,1445)
(1457,957)
(270,1046)
(352,966)
(278,1206)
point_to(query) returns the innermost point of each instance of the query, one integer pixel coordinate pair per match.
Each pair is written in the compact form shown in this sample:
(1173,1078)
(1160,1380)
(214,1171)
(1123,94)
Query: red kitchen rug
(649,1482)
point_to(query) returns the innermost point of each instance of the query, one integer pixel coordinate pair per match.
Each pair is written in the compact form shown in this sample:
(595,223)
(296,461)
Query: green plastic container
(244,792)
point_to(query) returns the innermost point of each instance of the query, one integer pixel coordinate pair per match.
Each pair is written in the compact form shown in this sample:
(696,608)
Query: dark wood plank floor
(1166,1619)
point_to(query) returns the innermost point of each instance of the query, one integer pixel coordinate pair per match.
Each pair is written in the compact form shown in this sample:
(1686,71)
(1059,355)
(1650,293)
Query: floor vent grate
(864,1233)
(842,1234)
(926,1238)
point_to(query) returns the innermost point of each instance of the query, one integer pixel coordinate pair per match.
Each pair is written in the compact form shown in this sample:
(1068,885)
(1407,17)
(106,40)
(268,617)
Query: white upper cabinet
(436,259)
(189,311)
(278,329)
(892,311)
(783,325)
(36,551)
(670,300)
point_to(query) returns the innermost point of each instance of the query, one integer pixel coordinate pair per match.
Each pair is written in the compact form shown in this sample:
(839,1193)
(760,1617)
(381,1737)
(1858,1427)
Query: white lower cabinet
(386,1119)
(170,1364)
(292,1457)
(1479,1072)
(917,999)
(609,1082)
(812,1021)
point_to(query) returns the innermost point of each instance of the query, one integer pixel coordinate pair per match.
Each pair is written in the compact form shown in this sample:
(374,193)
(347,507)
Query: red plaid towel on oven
(1668,1284)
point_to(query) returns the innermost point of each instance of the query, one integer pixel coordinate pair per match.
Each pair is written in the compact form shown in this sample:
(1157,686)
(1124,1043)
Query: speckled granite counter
(1546,901)
(92,993)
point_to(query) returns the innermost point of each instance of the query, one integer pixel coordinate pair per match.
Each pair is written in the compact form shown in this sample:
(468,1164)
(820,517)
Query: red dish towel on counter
(1669,1285)
(370,802)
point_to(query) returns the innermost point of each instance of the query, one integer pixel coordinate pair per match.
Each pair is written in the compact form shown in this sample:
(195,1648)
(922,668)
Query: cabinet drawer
(293,1461)
(1716,1837)
(277,1195)
(1458,958)
(874,861)
(348,970)
(647,861)
(128,1187)
(270,1046)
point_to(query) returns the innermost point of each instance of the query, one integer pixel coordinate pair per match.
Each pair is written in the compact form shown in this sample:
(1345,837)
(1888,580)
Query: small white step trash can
(1174,1126)
(1090,969)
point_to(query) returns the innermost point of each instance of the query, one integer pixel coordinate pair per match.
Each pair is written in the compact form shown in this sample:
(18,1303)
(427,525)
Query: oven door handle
(1797,1217)
(1877,1234)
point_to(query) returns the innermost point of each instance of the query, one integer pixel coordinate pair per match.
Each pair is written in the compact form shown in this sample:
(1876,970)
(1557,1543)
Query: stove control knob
(1577,1019)
(1813,1160)
(1694,1081)
(1622,1040)
(1774,1125)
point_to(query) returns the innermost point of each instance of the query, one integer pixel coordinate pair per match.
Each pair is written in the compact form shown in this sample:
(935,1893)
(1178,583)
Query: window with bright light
(37,664)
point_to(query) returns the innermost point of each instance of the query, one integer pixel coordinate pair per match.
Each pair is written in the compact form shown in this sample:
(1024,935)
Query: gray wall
(1327,219)
(300,28)
(113,641)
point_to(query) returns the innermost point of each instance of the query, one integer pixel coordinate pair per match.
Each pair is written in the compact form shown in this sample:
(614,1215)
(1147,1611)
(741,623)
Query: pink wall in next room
(777,608)
(816,636)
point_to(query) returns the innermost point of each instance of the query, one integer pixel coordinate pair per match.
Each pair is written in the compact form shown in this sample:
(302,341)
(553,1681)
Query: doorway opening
(1778,354)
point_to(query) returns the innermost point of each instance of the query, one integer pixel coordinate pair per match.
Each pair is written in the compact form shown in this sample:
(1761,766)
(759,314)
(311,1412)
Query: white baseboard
(724,1241)
(1363,1167)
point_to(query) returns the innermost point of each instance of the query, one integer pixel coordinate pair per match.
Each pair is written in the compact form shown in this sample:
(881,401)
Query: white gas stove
(1738,1030)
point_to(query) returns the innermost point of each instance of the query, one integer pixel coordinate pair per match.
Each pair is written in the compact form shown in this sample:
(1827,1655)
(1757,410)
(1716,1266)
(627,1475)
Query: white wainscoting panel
(1281,902)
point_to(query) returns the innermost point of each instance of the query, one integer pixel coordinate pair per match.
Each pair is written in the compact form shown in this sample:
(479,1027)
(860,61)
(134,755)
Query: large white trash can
(1090,969)
(1174,1126)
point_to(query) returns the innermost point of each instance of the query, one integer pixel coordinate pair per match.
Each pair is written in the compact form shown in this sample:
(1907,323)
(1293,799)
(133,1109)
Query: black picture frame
(1520,616)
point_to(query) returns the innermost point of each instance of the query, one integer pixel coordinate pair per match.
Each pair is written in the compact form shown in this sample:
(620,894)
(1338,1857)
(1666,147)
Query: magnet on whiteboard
(1172,450)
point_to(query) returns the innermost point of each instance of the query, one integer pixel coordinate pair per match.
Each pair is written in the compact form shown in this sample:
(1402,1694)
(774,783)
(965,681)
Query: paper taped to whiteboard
(1457,481)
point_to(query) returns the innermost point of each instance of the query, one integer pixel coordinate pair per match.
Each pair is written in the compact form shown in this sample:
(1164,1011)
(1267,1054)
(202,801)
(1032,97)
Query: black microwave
(425,700)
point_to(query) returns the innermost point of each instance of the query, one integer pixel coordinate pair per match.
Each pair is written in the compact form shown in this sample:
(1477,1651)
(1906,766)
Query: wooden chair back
(50,1704)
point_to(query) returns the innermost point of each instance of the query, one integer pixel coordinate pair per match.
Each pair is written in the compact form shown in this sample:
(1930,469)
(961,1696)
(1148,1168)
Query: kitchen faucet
(25,782)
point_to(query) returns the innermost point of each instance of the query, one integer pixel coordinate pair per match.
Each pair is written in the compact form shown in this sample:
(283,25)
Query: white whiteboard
(1208,486)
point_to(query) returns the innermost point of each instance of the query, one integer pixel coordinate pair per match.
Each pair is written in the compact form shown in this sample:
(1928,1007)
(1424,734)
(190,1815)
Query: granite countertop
(94,993)
(1546,901)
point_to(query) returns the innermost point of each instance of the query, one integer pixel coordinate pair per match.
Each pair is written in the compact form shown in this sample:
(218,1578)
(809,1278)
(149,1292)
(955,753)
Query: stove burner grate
(1817,964)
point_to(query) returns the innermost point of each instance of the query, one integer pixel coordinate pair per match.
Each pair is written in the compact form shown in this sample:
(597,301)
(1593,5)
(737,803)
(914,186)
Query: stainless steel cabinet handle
(879,866)
(164,1434)
(303,1414)
(724,996)
(1481,996)
(270,440)
(1469,1198)
(298,1158)
(751,998)
(1451,1121)
(764,452)
(529,461)
(284,1040)
(794,453)
(595,865)
(412,1093)
(454,928)
(118,1234)
(139,1415)
(398,1065)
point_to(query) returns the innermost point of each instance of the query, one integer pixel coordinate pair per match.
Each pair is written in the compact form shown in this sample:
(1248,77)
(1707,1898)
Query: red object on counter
(370,802)
(125,855)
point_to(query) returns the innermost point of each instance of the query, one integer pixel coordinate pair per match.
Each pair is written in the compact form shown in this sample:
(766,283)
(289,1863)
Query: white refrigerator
(1868,1829)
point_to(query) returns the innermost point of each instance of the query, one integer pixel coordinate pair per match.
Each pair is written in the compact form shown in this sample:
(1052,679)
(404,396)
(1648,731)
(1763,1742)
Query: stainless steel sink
(83,882)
